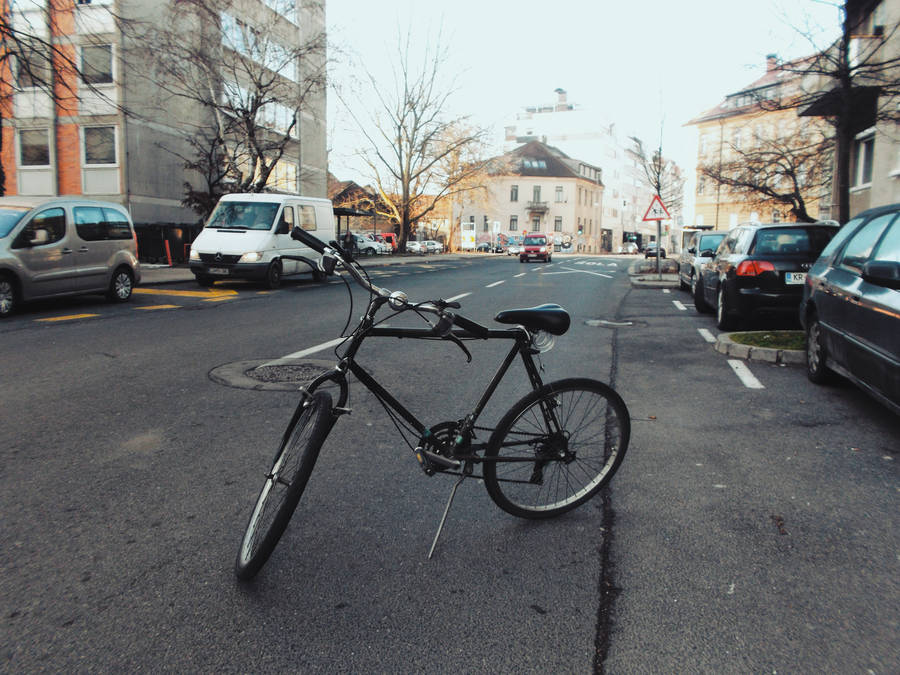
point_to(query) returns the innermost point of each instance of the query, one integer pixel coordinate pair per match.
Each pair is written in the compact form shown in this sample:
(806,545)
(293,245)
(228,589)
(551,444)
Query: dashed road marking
(496,283)
(70,317)
(522,274)
(678,304)
(159,307)
(216,293)
(457,297)
(706,335)
(312,350)
(744,375)
(666,291)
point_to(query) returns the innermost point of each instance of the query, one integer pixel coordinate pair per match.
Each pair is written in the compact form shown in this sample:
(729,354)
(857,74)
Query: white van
(248,236)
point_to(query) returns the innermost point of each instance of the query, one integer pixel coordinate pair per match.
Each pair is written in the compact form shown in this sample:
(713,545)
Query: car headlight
(194,255)
(252,257)
(543,249)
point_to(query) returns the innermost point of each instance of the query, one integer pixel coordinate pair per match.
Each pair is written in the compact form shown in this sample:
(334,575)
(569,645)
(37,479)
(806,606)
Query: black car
(650,251)
(851,306)
(760,269)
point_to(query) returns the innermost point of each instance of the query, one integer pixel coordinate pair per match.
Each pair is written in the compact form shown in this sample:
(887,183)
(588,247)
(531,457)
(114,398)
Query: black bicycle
(551,452)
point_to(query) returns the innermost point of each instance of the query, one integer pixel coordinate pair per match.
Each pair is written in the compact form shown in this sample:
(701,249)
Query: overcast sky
(638,63)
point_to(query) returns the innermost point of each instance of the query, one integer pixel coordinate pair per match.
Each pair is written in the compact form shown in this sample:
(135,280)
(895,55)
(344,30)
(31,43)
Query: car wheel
(724,320)
(121,285)
(521,259)
(273,275)
(699,301)
(9,296)
(204,281)
(816,370)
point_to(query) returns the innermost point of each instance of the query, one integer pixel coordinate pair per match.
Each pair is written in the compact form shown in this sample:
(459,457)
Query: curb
(781,357)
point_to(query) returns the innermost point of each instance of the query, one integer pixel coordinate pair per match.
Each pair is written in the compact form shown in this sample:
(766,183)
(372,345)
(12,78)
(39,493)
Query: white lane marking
(706,335)
(520,275)
(597,274)
(666,290)
(678,304)
(496,283)
(313,350)
(744,375)
(457,297)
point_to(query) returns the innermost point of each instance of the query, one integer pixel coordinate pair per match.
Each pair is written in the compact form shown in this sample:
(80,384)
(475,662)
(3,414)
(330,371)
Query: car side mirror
(882,273)
(691,250)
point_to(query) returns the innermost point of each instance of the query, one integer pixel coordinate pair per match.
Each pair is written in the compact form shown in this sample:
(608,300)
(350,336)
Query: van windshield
(9,217)
(244,215)
(535,241)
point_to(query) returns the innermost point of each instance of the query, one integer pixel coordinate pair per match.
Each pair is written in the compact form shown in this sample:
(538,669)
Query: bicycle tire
(576,462)
(277,500)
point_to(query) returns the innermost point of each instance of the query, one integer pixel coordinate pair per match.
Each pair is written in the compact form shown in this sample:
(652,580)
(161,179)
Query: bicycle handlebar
(446,320)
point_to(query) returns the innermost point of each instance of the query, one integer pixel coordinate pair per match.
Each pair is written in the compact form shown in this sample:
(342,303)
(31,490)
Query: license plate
(794,277)
(218,270)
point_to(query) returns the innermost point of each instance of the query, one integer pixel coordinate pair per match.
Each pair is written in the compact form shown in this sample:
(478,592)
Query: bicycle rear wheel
(285,482)
(556,448)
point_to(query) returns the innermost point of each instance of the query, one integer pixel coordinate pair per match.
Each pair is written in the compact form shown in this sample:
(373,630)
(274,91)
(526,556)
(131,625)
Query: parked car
(483,247)
(513,249)
(432,246)
(366,246)
(850,308)
(52,247)
(650,251)
(415,247)
(760,269)
(700,250)
(629,248)
(536,246)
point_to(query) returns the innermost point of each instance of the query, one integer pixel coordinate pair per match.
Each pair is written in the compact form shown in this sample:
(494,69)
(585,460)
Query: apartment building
(538,188)
(112,132)
(752,117)
(586,134)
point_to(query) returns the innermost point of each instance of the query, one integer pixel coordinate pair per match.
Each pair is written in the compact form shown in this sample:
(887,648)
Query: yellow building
(750,131)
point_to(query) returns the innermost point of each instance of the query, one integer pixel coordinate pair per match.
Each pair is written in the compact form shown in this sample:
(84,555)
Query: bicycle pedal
(440,460)
(341,411)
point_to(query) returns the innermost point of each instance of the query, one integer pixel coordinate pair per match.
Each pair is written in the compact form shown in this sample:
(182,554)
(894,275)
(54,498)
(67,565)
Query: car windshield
(710,241)
(535,241)
(9,217)
(244,215)
(792,240)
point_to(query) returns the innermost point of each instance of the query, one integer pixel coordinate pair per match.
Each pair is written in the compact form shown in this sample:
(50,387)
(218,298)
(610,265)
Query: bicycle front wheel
(285,482)
(556,448)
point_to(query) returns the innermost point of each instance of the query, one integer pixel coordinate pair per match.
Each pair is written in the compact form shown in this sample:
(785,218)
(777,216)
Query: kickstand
(446,511)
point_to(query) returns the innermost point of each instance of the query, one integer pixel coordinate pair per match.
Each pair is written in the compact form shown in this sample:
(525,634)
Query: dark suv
(851,306)
(760,269)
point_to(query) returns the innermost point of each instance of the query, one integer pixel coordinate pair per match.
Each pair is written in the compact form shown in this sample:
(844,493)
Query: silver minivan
(55,246)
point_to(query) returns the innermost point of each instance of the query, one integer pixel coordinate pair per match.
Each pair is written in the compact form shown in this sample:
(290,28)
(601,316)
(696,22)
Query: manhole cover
(269,375)
(301,372)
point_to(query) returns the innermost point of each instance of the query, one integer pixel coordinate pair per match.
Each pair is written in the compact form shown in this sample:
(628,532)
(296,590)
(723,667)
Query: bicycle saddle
(550,317)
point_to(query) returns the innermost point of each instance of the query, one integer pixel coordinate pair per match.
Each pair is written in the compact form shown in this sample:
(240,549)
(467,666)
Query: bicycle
(552,451)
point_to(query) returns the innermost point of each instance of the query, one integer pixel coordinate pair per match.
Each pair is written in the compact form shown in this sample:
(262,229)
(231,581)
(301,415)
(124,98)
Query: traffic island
(727,344)
(642,273)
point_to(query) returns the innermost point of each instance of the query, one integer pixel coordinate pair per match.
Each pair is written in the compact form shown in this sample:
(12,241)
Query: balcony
(538,207)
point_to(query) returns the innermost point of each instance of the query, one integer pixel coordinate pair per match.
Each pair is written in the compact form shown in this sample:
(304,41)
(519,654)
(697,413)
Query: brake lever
(459,344)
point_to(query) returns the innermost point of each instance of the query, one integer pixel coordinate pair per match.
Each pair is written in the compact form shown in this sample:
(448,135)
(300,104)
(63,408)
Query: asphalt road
(749,530)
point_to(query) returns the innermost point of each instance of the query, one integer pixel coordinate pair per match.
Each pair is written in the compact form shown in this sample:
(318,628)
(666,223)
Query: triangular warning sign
(657,210)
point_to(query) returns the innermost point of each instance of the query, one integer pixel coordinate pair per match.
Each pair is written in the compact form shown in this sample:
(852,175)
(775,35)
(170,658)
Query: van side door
(285,245)
(101,233)
(44,250)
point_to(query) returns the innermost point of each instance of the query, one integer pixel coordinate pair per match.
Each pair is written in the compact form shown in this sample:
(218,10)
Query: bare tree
(418,157)
(248,79)
(661,175)
(854,84)
(777,173)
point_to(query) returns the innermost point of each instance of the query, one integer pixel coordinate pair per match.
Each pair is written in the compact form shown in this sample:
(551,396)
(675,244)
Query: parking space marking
(744,375)
(159,307)
(186,294)
(496,283)
(70,317)
(678,304)
(706,335)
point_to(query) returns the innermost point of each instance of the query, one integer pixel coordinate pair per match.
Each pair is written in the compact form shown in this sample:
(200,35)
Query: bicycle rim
(284,483)
(570,436)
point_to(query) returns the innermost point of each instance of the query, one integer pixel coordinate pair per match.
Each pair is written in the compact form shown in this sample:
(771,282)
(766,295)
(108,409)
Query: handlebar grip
(314,243)
(470,326)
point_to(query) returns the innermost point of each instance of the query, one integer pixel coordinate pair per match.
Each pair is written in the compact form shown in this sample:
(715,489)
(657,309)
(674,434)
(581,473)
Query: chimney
(771,62)
(561,99)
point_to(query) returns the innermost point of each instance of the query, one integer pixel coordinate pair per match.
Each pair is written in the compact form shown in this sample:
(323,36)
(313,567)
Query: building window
(97,64)
(863,150)
(536,193)
(284,177)
(513,223)
(33,69)
(559,194)
(557,224)
(535,224)
(484,226)
(34,147)
(514,193)
(99,145)
(701,185)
